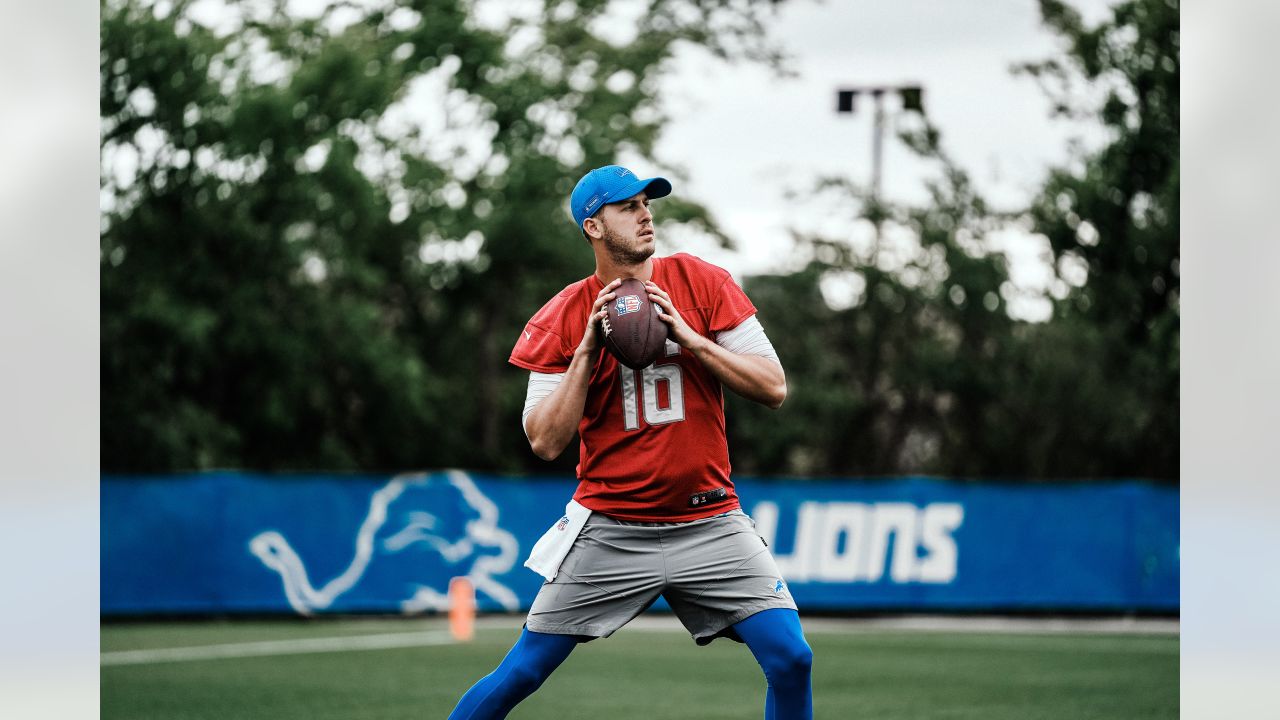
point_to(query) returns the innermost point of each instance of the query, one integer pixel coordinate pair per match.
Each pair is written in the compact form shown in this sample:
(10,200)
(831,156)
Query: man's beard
(620,252)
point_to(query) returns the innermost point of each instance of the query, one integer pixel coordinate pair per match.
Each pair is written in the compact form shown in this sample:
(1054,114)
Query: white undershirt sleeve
(540,386)
(748,338)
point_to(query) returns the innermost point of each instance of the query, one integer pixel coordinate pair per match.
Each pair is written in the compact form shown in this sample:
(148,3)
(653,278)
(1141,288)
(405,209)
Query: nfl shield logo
(627,304)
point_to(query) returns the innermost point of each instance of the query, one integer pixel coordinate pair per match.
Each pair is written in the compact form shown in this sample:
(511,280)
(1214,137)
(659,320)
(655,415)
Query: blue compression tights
(522,671)
(775,638)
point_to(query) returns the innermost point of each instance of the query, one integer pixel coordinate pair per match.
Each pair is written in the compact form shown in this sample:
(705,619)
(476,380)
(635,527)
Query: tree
(903,379)
(1112,222)
(926,373)
(322,235)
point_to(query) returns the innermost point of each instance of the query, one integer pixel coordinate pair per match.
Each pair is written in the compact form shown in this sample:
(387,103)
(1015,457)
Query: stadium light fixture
(912,97)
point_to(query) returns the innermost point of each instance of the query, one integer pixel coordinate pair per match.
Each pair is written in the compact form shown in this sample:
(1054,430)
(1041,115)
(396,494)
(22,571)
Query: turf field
(393,669)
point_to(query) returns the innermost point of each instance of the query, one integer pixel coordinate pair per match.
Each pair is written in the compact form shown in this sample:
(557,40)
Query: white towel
(549,551)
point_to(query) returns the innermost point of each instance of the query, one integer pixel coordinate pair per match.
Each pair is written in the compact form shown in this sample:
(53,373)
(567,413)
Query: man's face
(628,230)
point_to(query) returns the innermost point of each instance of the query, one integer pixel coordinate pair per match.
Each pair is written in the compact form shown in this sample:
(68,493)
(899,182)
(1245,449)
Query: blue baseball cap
(611,183)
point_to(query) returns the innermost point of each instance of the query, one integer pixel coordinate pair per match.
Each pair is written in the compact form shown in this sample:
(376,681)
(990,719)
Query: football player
(655,512)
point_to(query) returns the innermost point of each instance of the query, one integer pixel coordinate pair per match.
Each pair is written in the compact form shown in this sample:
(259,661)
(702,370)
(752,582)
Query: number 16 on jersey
(645,393)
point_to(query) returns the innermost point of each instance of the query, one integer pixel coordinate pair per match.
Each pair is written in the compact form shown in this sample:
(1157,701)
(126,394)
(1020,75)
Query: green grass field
(638,673)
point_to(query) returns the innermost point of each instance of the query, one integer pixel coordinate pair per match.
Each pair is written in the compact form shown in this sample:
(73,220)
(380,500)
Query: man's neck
(607,271)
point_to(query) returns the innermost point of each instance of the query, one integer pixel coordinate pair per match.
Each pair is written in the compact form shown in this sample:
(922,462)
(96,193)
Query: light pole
(912,101)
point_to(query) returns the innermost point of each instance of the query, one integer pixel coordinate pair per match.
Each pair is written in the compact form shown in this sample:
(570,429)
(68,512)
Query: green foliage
(297,276)
(928,374)
(322,235)
(898,381)
(1116,214)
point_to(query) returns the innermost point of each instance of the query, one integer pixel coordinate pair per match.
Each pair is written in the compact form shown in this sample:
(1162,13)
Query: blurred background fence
(226,543)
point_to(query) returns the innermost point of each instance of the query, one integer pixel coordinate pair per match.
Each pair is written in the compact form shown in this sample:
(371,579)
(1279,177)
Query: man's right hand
(590,344)
(553,421)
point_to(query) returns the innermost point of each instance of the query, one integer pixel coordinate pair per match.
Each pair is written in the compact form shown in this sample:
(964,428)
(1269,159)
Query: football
(633,332)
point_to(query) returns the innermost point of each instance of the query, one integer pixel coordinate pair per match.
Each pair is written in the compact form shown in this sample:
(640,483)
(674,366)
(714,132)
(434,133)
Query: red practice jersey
(652,439)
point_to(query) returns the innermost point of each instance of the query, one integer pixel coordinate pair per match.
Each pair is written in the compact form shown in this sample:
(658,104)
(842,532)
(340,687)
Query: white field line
(1019,642)
(980,625)
(277,647)
(1001,625)
(983,637)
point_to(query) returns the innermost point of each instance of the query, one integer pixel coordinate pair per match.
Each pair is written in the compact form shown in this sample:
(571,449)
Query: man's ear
(594,231)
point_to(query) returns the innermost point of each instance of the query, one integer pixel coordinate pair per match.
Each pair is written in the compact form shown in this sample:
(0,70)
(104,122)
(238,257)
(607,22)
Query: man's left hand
(684,335)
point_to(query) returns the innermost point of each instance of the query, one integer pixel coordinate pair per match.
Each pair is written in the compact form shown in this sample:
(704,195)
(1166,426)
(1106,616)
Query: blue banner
(239,542)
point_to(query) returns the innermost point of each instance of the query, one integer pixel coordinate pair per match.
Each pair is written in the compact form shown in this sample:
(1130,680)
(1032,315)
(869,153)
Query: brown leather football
(633,332)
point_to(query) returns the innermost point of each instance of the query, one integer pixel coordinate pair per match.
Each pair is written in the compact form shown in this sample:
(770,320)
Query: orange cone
(462,609)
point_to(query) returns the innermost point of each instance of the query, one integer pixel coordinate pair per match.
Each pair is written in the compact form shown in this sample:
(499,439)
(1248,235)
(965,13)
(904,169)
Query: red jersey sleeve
(730,306)
(547,342)
(541,350)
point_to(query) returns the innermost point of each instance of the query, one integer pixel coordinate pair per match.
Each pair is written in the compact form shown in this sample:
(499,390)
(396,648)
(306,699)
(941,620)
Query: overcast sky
(745,136)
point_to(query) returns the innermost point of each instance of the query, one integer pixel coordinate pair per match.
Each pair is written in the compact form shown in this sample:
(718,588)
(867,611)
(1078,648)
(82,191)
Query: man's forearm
(753,377)
(552,424)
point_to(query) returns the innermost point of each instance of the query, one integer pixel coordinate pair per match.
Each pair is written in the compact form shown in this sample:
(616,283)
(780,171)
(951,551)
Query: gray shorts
(713,572)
